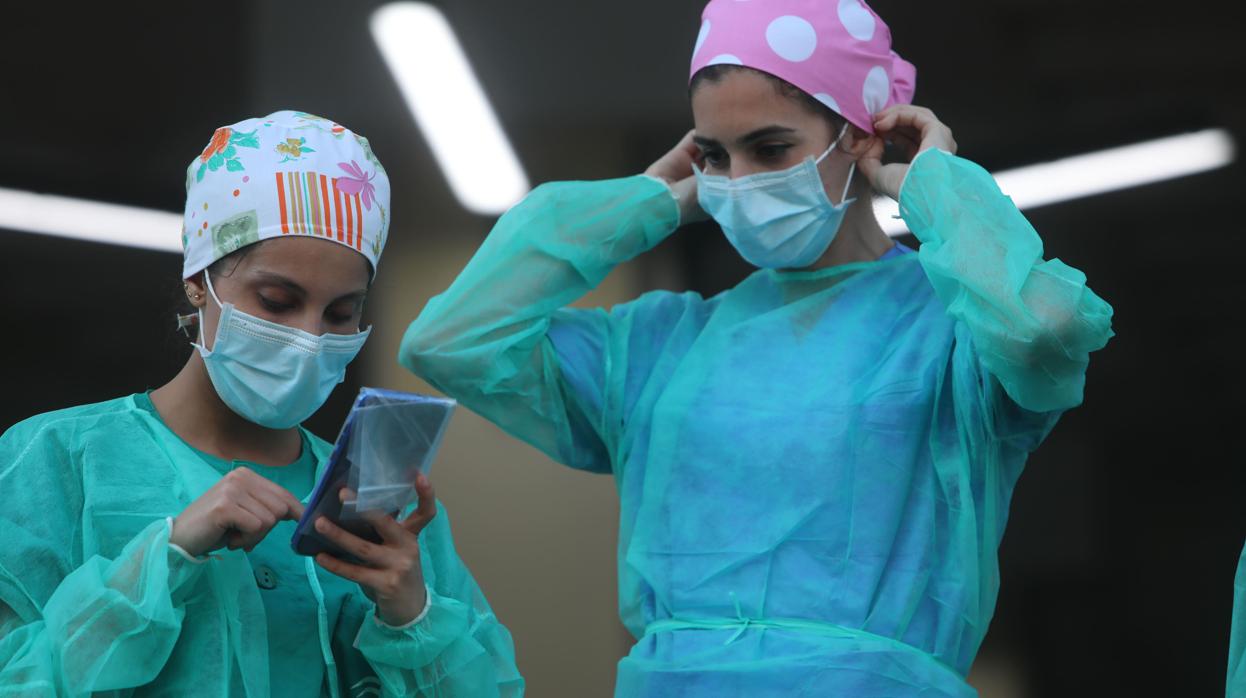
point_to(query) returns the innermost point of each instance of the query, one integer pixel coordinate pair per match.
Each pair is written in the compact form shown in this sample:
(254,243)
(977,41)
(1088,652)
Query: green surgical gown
(814,467)
(1236,687)
(94,601)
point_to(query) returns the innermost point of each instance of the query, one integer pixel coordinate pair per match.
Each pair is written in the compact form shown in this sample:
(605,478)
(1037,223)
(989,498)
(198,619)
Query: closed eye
(273,306)
(343,311)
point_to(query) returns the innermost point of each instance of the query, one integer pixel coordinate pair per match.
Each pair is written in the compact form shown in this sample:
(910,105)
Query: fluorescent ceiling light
(1095,173)
(90,220)
(1030,187)
(449,106)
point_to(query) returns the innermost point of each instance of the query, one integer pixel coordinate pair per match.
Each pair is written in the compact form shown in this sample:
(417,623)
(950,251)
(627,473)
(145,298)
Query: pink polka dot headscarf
(837,51)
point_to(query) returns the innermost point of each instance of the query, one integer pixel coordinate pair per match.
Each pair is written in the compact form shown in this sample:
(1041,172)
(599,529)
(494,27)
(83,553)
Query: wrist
(891,180)
(685,194)
(402,614)
(176,540)
(179,547)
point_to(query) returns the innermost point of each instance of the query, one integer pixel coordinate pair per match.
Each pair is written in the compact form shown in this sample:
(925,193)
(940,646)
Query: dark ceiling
(108,101)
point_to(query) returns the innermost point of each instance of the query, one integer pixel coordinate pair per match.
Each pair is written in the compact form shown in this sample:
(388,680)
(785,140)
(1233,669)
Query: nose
(741,169)
(312,321)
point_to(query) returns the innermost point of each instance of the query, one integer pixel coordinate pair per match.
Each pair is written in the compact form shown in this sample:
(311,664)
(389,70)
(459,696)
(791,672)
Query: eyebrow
(748,138)
(268,277)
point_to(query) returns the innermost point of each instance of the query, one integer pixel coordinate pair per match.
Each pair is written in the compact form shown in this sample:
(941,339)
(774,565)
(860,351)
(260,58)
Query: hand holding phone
(389,568)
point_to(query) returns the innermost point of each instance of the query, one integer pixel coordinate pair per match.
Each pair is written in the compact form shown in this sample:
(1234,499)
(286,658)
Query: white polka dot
(793,38)
(856,19)
(828,100)
(876,90)
(725,59)
(701,37)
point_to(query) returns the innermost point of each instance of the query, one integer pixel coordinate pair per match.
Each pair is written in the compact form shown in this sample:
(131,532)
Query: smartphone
(326,501)
(396,428)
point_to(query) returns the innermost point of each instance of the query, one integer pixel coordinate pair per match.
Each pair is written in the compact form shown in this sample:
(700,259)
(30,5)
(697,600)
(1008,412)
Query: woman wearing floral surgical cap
(148,552)
(815,466)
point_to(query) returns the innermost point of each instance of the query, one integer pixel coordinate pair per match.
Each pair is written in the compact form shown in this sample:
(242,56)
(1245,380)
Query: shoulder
(904,275)
(662,304)
(651,314)
(71,421)
(50,452)
(662,319)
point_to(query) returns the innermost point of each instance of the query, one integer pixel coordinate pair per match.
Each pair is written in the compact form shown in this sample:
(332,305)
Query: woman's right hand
(237,512)
(675,168)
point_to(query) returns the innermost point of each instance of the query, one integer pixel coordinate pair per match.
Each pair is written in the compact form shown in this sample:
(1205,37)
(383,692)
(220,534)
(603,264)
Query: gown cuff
(912,211)
(428,604)
(420,642)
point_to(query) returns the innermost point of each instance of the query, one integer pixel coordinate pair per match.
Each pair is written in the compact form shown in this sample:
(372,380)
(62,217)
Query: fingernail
(320,525)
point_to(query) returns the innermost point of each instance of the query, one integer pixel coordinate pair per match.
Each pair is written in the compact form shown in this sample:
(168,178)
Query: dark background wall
(1126,528)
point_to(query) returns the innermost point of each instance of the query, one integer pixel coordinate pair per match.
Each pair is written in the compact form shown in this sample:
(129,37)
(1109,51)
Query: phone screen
(326,501)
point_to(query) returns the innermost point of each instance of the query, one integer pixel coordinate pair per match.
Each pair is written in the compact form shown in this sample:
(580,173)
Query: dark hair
(715,73)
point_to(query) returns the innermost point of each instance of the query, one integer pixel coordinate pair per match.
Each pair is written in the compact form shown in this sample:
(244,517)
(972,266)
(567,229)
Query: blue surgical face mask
(776,220)
(270,374)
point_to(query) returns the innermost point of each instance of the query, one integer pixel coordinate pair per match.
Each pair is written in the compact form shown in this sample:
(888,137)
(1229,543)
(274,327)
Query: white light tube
(449,106)
(1030,187)
(1096,173)
(90,220)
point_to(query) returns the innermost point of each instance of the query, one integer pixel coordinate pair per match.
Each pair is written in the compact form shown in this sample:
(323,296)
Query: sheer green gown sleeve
(1237,639)
(71,625)
(485,340)
(1034,322)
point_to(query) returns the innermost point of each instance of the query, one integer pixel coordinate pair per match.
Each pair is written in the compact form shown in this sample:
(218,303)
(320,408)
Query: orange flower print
(220,139)
(222,150)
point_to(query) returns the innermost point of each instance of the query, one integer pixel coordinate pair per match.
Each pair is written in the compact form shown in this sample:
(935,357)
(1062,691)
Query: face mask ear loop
(207,279)
(851,171)
(832,146)
(851,168)
(203,341)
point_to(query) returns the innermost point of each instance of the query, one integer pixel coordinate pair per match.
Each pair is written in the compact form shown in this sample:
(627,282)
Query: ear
(857,142)
(196,290)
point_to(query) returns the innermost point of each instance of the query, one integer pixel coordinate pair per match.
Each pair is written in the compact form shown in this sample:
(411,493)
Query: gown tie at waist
(742,623)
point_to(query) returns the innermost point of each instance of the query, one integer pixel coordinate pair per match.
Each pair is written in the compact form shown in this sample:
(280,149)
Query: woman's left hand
(391,574)
(912,128)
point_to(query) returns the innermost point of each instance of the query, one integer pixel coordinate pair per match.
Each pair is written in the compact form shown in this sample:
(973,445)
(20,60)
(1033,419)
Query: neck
(191,408)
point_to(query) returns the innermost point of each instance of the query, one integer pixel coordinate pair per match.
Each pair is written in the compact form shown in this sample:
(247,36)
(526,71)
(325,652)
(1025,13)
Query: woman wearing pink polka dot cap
(815,466)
